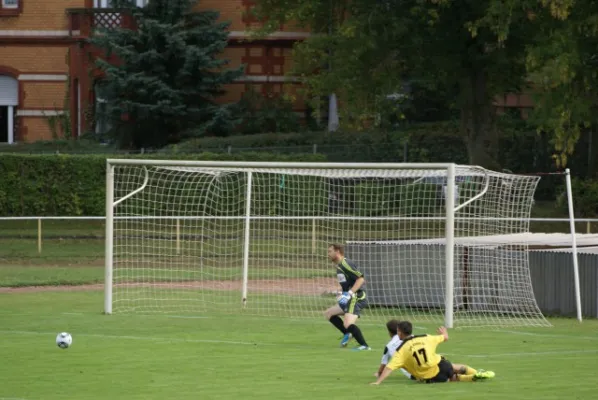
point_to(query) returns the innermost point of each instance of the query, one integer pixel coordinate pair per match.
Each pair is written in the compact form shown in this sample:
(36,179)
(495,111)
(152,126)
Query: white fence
(587,221)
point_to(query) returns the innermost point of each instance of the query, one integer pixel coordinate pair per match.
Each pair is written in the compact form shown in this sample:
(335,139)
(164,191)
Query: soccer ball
(64,340)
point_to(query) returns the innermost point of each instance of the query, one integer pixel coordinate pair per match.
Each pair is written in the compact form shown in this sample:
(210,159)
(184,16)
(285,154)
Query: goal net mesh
(179,241)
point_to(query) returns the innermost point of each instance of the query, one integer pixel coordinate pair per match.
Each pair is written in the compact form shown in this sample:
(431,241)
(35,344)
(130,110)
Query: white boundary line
(527,354)
(293,320)
(242,343)
(321,322)
(549,335)
(431,328)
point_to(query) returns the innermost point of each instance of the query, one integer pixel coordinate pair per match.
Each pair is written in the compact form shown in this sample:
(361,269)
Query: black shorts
(355,305)
(445,372)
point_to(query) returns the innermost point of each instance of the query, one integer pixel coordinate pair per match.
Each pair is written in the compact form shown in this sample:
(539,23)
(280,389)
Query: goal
(436,242)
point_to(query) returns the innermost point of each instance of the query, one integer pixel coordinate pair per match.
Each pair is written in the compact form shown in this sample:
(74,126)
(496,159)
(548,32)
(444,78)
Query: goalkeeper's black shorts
(355,305)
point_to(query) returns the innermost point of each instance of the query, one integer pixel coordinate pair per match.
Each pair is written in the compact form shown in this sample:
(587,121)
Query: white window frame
(101,4)
(11,5)
(10,139)
(108,3)
(11,124)
(11,105)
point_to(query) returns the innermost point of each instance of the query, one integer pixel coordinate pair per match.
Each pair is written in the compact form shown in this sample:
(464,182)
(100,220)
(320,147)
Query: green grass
(47,275)
(226,356)
(66,251)
(191,355)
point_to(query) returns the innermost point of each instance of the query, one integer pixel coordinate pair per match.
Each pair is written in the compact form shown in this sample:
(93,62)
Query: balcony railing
(83,22)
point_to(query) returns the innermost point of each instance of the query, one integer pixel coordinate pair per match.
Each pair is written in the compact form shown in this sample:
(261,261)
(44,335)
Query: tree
(167,74)
(563,65)
(365,50)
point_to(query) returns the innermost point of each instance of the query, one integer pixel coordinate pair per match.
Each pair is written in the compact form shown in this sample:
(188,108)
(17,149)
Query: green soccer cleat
(481,375)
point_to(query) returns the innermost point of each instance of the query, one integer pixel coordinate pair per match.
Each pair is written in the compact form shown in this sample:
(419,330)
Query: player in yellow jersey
(417,355)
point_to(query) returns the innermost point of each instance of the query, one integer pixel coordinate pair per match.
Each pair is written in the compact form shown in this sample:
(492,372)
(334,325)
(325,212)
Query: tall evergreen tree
(161,80)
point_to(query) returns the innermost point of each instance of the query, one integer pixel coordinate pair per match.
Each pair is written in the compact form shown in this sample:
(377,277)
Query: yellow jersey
(417,355)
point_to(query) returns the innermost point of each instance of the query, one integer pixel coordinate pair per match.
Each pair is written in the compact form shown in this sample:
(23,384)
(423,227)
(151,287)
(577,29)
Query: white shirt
(390,348)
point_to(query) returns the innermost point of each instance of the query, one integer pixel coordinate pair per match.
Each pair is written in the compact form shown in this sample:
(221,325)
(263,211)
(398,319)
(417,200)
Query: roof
(537,241)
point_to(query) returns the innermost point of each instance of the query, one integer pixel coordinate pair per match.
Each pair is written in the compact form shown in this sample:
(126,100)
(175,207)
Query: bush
(585,198)
(397,198)
(434,142)
(61,185)
(79,146)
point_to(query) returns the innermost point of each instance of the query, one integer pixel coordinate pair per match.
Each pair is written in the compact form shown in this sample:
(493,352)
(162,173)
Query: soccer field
(216,356)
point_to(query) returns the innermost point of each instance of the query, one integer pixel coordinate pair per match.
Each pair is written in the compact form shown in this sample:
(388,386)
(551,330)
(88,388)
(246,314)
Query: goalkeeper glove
(345,297)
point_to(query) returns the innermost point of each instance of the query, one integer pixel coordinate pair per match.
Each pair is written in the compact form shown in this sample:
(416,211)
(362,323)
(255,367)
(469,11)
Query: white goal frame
(450,210)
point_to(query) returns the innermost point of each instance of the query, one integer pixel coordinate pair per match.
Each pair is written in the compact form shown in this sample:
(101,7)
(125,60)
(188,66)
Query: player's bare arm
(385,373)
(443,331)
(358,284)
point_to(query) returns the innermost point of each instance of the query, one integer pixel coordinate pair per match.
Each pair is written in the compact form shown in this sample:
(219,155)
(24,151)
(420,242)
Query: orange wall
(35,59)
(44,95)
(46,15)
(35,128)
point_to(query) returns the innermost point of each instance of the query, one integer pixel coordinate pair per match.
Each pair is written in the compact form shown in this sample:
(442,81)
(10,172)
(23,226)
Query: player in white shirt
(391,347)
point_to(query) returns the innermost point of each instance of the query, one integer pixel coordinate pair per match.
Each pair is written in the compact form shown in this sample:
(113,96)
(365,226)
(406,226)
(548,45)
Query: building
(46,70)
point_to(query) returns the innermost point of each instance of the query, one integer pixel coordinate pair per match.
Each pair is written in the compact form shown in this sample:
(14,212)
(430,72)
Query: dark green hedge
(384,198)
(430,142)
(520,148)
(61,185)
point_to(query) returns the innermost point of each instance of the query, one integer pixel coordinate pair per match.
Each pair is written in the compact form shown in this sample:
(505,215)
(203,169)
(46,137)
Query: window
(10,3)
(108,3)
(9,99)
(10,7)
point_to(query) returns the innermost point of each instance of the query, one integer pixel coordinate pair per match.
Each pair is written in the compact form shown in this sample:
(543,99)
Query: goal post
(435,241)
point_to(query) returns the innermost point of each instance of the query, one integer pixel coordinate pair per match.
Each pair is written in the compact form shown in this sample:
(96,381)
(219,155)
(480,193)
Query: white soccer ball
(64,340)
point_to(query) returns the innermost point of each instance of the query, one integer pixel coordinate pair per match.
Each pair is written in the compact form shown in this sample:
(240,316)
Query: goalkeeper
(352,300)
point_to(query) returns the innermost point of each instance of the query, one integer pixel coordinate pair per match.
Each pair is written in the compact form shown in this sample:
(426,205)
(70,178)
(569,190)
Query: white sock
(407,374)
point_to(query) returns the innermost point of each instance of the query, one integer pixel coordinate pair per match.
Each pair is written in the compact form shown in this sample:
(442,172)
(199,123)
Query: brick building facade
(45,64)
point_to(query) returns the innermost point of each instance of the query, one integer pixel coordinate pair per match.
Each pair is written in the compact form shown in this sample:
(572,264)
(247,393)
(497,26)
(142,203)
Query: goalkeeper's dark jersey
(347,274)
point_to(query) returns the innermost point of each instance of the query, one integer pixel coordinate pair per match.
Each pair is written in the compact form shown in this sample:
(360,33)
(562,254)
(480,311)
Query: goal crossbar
(273,164)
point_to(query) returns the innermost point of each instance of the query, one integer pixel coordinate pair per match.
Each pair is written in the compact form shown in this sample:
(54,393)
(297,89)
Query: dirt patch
(315,286)
(62,288)
(53,263)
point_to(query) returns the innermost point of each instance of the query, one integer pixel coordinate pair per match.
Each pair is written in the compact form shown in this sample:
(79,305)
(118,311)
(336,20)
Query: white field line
(548,335)
(242,343)
(320,321)
(526,354)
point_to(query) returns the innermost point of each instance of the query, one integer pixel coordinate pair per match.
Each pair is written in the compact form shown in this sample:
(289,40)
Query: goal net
(435,242)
